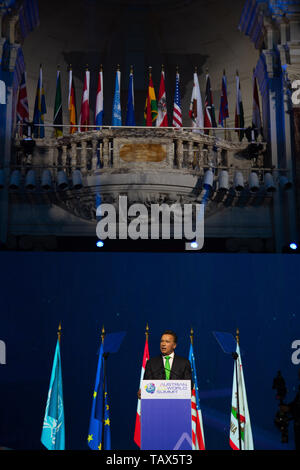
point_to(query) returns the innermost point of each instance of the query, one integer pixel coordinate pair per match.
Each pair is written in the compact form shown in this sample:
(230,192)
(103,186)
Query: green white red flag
(240,426)
(137,429)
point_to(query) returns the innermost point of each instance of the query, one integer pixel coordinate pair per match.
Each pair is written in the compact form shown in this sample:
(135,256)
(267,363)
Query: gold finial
(224,73)
(162,67)
(177,69)
(131,69)
(87,67)
(196,69)
(192,336)
(147,331)
(101,68)
(118,67)
(150,70)
(237,336)
(59,332)
(102,333)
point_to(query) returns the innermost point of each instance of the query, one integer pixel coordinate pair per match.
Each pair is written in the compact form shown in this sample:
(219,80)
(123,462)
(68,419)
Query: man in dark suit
(168,365)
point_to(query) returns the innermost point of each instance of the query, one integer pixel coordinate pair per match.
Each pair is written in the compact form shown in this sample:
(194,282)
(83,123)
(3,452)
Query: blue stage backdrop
(259,294)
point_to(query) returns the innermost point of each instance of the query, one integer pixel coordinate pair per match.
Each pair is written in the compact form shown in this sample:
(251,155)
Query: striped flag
(224,113)
(240,426)
(39,108)
(99,101)
(239,109)
(116,112)
(209,113)
(256,116)
(22,105)
(150,112)
(72,104)
(197,424)
(177,114)
(130,118)
(196,111)
(162,117)
(58,117)
(137,429)
(84,119)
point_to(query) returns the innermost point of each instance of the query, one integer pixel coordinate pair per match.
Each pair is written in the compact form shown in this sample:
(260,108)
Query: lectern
(166,415)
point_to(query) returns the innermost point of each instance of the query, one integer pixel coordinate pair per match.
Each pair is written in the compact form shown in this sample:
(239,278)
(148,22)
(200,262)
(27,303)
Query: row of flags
(99,434)
(155,111)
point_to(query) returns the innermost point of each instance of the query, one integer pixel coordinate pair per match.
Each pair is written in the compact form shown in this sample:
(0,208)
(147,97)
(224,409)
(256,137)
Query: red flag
(22,105)
(162,117)
(85,107)
(137,429)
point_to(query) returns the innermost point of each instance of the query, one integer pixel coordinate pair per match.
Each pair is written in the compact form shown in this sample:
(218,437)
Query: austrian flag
(137,430)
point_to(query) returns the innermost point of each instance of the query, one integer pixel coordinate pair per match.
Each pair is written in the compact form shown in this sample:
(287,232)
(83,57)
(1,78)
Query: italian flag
(137,429)
(240,426)
(150,113)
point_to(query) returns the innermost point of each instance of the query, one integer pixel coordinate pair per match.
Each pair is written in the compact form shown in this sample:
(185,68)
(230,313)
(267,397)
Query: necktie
(167,367)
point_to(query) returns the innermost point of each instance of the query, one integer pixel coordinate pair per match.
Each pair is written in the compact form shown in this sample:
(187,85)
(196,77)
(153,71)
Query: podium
(166,415)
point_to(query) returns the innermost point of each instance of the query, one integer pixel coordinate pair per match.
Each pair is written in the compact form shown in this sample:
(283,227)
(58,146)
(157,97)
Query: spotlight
(194,245)
(293,246)
(100,243)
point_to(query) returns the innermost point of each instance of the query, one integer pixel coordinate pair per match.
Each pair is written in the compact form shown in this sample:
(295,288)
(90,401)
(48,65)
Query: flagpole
(235,357)
(192,337)
(225,133)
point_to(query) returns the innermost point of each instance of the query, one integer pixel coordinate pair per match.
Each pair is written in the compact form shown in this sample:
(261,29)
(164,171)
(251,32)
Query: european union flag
(99,420)
(130,119)
(39,109)
(53,433)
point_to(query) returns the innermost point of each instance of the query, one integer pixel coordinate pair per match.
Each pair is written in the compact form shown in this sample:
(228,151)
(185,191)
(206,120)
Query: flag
(58,118)
(116,112)
(39,108)
(209,113)
(177,115)
(84,119)
(99,419)
(162,116)
(137,429)
(224,113)
(150,112)
(130,119)
(22,105)
(196,111)
(239,110)
(242,415)
(72,104)
(197,424)
(256,116)
(99,101)
(53,433)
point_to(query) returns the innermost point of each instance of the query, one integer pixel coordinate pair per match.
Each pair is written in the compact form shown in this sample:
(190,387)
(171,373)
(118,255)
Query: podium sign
(166,417)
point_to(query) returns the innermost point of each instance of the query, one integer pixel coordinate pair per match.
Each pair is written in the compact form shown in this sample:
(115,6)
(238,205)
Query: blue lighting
(293,246)
(100,243)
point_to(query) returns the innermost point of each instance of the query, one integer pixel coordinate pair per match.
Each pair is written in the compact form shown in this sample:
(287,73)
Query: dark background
(259,294)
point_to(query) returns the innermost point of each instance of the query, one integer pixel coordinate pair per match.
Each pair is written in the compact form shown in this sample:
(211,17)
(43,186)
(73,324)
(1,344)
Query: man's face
(167,344)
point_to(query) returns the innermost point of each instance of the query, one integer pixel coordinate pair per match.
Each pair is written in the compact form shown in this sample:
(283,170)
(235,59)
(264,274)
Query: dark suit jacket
(181,369)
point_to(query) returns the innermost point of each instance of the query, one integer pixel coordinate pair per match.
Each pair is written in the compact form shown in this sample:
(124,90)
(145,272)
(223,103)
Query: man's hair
(170,332)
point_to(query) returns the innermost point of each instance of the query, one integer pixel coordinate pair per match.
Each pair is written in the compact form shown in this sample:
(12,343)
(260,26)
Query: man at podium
(168,366)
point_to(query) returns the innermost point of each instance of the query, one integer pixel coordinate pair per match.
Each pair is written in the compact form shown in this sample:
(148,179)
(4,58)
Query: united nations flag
(53,433)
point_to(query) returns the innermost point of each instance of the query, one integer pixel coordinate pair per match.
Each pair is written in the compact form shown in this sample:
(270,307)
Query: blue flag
(130,119)
(53,433)
(99,413)
(39,109)
(116,112)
